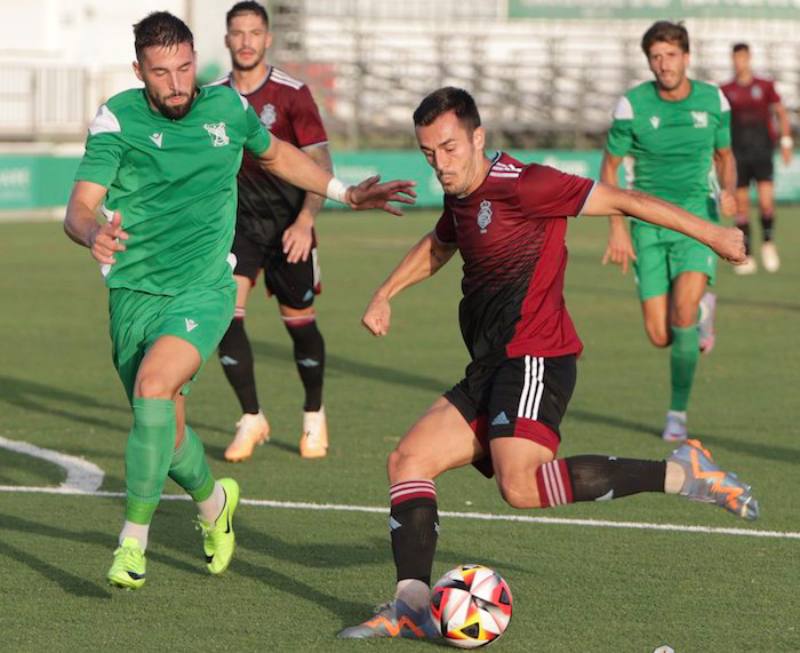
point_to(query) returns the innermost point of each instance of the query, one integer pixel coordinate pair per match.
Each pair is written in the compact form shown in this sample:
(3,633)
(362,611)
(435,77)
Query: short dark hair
(247,7)
(160,29)
(663,31)
(741,47)
(447,99)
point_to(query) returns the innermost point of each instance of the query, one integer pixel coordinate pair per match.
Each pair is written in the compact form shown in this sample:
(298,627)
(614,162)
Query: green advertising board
(41,181)
(653,9)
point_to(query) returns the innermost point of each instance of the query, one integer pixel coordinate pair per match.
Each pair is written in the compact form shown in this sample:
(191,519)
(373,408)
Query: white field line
(82,475)
(478,516)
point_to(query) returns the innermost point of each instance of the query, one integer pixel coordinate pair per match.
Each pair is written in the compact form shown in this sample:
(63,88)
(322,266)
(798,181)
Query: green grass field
(301,574)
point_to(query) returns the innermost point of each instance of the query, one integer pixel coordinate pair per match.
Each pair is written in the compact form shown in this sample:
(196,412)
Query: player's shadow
(756,449)
(69,582)
(357,368)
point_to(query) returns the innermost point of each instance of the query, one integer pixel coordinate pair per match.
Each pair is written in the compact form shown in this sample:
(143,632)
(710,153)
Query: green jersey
(672,143)
(174,183)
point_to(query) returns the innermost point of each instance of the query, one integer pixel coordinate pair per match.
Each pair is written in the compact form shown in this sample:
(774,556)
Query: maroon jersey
(510,232)
(267,205)
(752,128)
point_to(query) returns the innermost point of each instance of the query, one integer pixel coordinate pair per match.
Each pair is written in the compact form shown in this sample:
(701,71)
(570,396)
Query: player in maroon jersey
(753,102)
(508,221)
(275,233)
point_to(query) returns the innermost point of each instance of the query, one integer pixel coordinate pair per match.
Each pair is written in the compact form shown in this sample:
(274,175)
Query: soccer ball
(471,605)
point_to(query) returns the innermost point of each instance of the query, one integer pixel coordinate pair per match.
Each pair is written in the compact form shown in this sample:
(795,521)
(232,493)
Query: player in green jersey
(675,130)
(162,161)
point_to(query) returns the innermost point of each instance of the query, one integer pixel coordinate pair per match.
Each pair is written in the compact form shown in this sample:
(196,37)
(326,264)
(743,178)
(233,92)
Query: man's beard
(237,65)
(173,112)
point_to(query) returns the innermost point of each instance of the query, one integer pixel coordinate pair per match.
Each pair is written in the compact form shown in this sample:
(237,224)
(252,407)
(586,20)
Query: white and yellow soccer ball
(471,605)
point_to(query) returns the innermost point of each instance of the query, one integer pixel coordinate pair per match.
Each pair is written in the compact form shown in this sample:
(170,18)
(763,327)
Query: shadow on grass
(776,453)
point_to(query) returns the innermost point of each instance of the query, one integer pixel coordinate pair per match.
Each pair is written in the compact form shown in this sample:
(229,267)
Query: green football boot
(128,568)
(218,538)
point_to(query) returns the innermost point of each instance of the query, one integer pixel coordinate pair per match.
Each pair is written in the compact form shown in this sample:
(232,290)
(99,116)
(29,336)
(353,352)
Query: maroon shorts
(523,397)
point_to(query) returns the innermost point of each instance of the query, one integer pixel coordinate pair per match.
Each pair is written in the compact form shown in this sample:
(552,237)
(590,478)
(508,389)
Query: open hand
(298,240)
(370,194)
(619,249)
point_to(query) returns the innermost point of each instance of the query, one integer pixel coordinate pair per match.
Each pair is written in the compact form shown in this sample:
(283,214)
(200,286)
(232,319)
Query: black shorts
(293,284)
(522,397)
(749,168)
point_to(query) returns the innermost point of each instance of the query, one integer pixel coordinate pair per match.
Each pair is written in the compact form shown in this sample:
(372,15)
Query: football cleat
(251,431)
(769,257)
(128,569)
(748,267)
(394,619)
(219,540)
(705,325)
(706,482)
(675,429)
(314,441)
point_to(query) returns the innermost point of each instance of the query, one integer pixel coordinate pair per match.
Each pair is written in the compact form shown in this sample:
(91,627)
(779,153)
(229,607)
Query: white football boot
(314,441)
(251,431)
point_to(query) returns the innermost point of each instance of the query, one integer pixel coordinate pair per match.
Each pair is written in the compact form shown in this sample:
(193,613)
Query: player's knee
(658,335)
(405,464)
(684,316)
(517,494)
(153,386)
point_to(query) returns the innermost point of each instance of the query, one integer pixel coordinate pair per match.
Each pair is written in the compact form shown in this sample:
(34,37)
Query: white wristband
(787,142)
(336,190)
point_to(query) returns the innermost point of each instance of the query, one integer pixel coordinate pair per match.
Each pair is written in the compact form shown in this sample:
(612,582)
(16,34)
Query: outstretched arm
(422,261)
(81,223)
(728,242)
(284,160)
(620,248)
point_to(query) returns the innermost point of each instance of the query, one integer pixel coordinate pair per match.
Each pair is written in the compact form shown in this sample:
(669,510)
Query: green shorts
(663,254)
(201,316)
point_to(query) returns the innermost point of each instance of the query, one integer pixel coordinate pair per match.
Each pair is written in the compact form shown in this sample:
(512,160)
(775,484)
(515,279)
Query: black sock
(414,526)
(236,357)
(768,226)
(597,478)
(744,227)
(309,355)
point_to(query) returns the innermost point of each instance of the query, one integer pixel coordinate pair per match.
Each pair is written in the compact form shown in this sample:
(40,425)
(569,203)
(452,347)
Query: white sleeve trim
(305,148)
(104,122)
(724,105)
(624,109)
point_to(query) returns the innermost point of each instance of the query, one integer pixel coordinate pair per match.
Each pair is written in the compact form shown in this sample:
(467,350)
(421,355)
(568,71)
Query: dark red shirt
(510,232)
(267,205)
(752,126)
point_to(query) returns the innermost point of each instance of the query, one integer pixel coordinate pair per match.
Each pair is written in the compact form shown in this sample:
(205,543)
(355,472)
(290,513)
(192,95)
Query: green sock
(189,467)
(147,456)
(683,361)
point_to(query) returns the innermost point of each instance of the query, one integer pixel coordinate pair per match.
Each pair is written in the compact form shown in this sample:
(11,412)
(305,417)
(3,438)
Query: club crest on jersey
(268,116)
(655,121)
(700,118)
(217,132)
(484,216)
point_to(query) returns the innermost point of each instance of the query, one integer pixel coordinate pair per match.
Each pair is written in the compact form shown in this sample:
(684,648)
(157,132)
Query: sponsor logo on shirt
(756,92)
(217,132)
(655,121)
(157,137)
(484,216)
(700,118)
(268,116)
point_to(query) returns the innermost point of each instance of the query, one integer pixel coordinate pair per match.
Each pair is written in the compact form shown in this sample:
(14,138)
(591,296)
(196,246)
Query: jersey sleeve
(104,149)
(545,192)
(722,137)
(257,138)
(772,94)
(620,136)
(445,230)
(306,121)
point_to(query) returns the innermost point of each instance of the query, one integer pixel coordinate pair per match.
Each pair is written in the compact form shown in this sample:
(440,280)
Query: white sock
(211,508)
(414,593)
(136,531)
